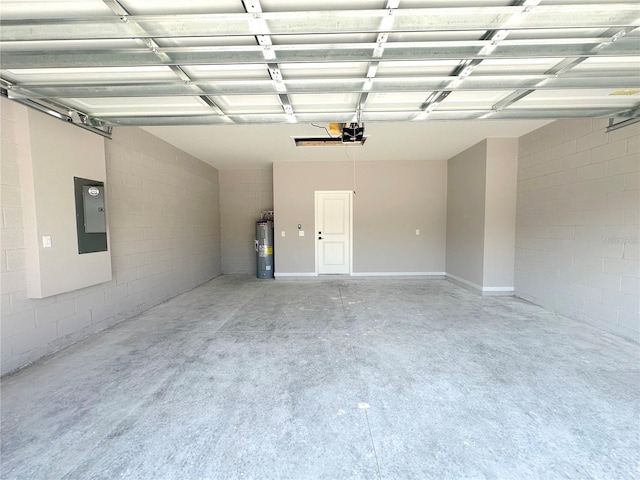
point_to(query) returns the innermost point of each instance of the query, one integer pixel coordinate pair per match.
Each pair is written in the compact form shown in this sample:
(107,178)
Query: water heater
(264,248)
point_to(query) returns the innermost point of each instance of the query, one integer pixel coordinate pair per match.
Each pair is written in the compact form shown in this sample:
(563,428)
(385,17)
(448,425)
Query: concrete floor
(330,379)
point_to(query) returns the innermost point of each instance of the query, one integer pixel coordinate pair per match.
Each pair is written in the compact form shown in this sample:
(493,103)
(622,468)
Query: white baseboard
(398,274)
(463,283)
(480,289)
(498,290)
(305,274)
(366,274)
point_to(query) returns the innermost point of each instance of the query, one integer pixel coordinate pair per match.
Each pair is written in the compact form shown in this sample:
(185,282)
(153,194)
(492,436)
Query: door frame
(316,193)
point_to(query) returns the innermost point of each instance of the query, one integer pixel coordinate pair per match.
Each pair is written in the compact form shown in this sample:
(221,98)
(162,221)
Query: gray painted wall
(481,214)
(48,167)
(500,213)
(244,193)
(392,200)
(577,223)
(163,213)
(466,187)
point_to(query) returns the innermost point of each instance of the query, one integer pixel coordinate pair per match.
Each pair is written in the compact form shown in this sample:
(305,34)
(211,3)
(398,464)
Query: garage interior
(482,319)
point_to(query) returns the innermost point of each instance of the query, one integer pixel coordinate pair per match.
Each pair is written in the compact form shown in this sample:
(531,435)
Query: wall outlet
(417,232)
(46,241)
(301,233)
(282,234)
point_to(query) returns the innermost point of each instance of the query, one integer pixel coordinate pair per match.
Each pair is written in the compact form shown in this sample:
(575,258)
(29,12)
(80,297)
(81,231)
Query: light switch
(282,233)
(301,233)
(417,232)
(46,241)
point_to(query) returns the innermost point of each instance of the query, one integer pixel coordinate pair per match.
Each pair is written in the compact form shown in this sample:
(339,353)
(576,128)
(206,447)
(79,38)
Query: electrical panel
(95,220)
(91,221)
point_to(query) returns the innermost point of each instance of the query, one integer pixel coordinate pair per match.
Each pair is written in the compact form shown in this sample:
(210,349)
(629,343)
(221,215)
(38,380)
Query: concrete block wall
(243,195)
(577,222)
(163,211)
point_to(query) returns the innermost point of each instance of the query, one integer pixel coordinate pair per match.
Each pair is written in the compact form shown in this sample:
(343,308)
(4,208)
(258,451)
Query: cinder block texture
(579,183)
(164,217)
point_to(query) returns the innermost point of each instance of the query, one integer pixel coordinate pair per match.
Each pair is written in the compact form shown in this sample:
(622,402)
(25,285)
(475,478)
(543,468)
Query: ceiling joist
(305,54)
(625,80)
(587,15)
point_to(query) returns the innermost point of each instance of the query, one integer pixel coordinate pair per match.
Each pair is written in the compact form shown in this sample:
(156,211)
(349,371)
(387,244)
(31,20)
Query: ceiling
(487,64)
(251,146)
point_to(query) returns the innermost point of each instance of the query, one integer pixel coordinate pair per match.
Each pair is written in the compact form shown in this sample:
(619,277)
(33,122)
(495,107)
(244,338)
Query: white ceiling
(198,72)
(245,146)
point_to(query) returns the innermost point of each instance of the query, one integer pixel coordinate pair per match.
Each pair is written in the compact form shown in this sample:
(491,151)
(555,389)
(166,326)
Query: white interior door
(333,232)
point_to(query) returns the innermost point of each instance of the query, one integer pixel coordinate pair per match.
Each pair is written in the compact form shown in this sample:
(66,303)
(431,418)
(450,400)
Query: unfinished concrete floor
(330,379)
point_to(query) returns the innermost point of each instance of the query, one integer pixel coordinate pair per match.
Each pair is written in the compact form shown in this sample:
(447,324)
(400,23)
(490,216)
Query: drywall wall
(466,188)
(244,193)
(500,214)
(481,212)
(392,201)
(163,213)
(48,170)
(577,222)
